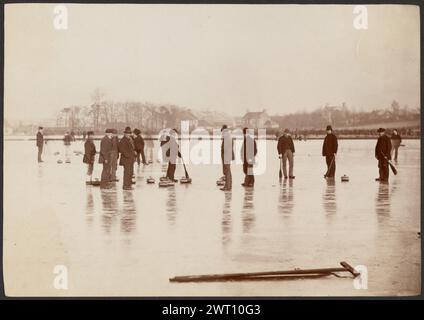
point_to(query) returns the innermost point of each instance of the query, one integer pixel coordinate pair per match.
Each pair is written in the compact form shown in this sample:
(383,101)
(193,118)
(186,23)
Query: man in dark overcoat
(127,159)
(104,157)
(329,151)
(40,143)
(383,150)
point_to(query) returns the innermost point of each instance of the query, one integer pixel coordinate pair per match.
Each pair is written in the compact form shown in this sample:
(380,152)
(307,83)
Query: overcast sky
(223,57)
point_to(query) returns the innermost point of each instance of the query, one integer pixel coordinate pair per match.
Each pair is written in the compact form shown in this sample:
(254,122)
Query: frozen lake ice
(129,243)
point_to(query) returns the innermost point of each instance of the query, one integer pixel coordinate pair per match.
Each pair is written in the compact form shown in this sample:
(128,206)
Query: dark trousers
(90,168)
(170,173)
(249,178)
(395,151)
(228,178)
(128,173)
(40,151)
(143,157)
(105,178)
(331,165)
(383,168)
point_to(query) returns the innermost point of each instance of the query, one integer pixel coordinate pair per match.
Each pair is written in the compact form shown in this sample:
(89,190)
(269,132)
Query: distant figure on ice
(106,146)
(286,150)
(40,143)
(248,153)
(84,134)
(114,154)
(172,152)
(383,151)
(139,146)
(227,155)
(89,156)
(127,151)
(67,142)
(396,141)
(329,151)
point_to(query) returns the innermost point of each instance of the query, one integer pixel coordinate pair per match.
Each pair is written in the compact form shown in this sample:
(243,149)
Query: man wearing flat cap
(40,143)
(383,150)
(329,151)
(127,159)
(104,157)
(227,155)
(286,150)
(139,147)
(89,155)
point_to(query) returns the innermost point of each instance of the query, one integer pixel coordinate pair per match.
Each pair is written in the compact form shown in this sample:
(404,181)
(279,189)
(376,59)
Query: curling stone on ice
(185,180)
(150,180)
(220,181)
(345,178)
(59,161)
(95,182)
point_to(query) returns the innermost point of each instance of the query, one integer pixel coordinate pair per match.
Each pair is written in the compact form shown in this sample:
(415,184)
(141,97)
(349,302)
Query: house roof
(253,115)
(187,115)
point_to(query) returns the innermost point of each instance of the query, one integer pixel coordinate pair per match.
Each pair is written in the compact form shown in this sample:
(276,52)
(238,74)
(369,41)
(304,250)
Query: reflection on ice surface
(117,242)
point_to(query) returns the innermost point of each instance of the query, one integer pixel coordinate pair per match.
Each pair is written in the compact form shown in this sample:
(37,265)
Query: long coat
(126,149)
(227,149)
(285,143)
(106,146)
(40,139)
(89,152)
(330,145)
(115,142)
(383,147)
(249,145)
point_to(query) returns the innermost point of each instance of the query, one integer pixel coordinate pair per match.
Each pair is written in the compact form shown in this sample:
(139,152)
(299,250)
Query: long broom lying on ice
(269,275)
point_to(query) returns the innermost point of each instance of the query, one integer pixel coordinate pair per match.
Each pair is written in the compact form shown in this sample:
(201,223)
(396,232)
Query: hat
(286,130)
(108,131)
(40,128)
(90,133)
(224,127)
(127,130)
(136,131)
(329,128)
(381,130)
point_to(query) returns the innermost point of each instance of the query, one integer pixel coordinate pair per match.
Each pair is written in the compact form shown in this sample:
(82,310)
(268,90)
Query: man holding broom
(329,151)
(383,151)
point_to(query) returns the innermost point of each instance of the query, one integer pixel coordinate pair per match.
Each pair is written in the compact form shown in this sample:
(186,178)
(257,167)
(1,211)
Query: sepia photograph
(211,150)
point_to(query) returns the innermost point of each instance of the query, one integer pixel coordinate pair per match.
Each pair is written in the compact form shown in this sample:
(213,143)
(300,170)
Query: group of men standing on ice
(127,149)
(131,148)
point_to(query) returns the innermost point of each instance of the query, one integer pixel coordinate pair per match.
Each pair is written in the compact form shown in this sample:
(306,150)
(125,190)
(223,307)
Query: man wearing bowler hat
(383,150)
(127,151)
(114,154)
(106,146)
(329,151)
